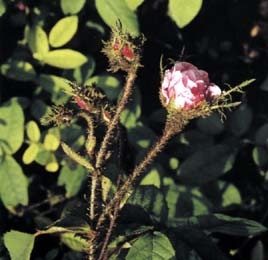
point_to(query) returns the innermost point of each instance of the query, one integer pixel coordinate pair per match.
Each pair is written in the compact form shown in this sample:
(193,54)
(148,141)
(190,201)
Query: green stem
(230,105)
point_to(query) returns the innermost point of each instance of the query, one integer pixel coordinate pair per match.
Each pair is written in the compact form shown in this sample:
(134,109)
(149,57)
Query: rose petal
(184,66)
(187,86)
(212,92)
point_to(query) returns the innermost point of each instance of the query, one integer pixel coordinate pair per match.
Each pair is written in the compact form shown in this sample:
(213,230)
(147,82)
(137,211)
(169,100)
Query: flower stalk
(186,93)
(115,120)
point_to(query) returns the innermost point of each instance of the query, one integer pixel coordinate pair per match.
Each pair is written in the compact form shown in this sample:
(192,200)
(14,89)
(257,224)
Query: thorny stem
(109,134)
(90,124)
(94,175)
(103,254)
(90,130)
(92,196)
(100,158)
(126,189)
(95,195)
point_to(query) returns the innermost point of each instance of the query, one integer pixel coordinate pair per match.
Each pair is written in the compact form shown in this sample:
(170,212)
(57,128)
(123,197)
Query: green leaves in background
(84,72)
(37,40)
(191,231)
(184,201)
(132,112)
(227,225)
(260,156)
(33,131)
(230,195)
(64,59)
(18,70)
(152,178)
(52,164)
(72,179)
(72,7)
(2,7)
(51,142)
(184,11)
(63,31)
(13,183)
(206,165)
(53,84)
(74,242)
(42,153)
(48,159)
(11,127)
(152,200)
(134,4)
(112,11)
(30,153)
(139,135)
(154,246)
(38,109)
(19,244)
(109,84)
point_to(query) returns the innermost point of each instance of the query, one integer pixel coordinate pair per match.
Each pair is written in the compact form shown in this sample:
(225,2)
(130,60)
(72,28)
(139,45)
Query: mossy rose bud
(185,87)
(123,50)
(82,104)
(127,52)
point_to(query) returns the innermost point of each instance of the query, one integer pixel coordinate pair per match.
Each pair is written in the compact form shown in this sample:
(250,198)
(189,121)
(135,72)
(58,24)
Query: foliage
(188,204)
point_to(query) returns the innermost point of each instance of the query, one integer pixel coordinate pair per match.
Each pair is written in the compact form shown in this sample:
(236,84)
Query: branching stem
(125,190)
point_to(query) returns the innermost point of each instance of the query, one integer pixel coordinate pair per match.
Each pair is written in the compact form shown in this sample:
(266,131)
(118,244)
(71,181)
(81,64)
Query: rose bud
(185,87)
(212,92)
(127,52)
(82,104)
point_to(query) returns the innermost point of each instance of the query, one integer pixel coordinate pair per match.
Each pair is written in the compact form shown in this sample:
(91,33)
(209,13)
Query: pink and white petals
(185,86)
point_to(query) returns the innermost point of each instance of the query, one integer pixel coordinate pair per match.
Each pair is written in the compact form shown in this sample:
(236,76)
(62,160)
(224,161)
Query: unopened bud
(90,146)
(128,52)
(80,103)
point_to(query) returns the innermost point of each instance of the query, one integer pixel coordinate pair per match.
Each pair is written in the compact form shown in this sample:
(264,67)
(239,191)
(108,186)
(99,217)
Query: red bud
(127,52)
(80,103)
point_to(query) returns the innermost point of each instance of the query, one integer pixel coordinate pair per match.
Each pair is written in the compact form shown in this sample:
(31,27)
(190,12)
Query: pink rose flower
(187,86)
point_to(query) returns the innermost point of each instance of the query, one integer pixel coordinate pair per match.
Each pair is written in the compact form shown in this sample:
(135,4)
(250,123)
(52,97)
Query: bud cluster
(89,99)
(123,50)
(92,99)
